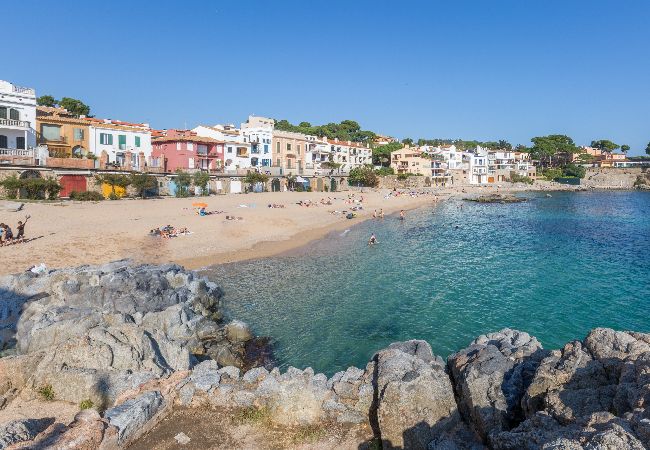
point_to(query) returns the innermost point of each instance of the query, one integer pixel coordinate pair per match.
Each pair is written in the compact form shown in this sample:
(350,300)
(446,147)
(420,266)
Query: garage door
(71,183)
(235,187)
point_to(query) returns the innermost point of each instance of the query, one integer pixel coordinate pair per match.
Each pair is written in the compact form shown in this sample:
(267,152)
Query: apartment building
(17,121)
(119,143)
(64,133)
(185,150)
(258,132)
(237,149)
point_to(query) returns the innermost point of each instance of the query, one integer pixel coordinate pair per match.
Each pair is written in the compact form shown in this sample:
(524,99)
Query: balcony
(14,123)
(17,156)
(24,90)
(60,140)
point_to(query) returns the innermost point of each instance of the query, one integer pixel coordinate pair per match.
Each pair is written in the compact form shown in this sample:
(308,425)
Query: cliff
(130,340)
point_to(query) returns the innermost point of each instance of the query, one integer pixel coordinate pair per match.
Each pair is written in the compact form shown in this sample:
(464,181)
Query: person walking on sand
(374,214)
(381,213)
(372,240)
(401,215)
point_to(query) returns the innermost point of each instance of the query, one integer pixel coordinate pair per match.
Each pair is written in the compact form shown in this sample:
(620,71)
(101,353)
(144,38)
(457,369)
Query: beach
(70,233)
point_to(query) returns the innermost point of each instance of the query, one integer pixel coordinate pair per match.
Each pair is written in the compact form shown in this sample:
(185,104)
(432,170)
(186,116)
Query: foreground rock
(496,198)
(93,332)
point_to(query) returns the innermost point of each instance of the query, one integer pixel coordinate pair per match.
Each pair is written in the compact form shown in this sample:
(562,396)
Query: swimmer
(372,240)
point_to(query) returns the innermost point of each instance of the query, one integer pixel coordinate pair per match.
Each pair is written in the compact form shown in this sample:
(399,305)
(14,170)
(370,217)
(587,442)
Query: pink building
(183,149)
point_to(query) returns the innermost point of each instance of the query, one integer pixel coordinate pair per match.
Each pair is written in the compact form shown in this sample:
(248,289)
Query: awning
(300,179)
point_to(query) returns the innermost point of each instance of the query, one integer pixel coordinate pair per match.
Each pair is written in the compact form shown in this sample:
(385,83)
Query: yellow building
(62,132)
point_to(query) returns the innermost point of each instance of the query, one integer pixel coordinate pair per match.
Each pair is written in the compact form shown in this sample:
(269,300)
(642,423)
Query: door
(275,185)
(319,185)
(333,185)
(171,187)
(72,183)
(235,187)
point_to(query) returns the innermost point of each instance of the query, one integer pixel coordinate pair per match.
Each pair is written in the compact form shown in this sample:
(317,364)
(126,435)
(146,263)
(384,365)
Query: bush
(516,178)
(113,196)
(385,171)
(11,185)
(87,196)
(182,182)
(404,176)
(201,179)
(46,392)
(572,170)
(255,177)
(552,173)
(363,176)
(86,404)
(142,182)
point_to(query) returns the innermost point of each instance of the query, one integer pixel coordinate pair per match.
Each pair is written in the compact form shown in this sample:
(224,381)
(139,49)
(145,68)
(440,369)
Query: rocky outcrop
(491,377)
(95,331)
(22,430)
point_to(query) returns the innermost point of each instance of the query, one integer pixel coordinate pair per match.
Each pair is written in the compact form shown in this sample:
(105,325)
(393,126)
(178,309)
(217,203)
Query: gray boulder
(491,377)
(22,430)
(415,400)
(130,416)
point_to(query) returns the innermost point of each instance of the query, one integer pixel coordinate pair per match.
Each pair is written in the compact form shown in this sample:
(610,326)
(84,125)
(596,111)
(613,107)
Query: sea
(554,267)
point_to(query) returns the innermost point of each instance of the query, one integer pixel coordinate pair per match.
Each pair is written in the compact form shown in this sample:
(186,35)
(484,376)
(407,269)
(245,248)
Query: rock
(415,399)
(600,431)
(131,415)
(86,432)
(237,331)
(255,375)
(491,377)
(22,430)
(182,438)
(496,198)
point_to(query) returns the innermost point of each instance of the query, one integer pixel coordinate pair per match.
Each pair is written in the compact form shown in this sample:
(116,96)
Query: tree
(201,180)
(74,106)
(363,176)
(407,141)
(304,125)
(572,170)
(647,149)
(546,147)
(504,145)
(385,171)
(381,153)
(142,182)
(605,145)
(252,178)
(625,148)
(113,180)
(46,100)
(182,181)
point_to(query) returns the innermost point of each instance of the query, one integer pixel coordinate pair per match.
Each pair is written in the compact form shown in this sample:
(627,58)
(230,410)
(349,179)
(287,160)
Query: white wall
(23,100)
(97,147)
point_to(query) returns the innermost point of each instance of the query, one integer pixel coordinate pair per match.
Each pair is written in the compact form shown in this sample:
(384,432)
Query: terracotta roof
(345,144)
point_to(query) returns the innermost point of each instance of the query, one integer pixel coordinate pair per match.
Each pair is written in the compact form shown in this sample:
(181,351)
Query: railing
(17,152)
(24,90)
(61,139)
(14,123)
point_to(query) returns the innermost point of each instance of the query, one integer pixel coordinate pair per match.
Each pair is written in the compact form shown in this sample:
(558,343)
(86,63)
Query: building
(290,148)
(349,154)
(17,123)
(64,134)
(411,160)
(118,143)
(185,150)
(319,157)
(258,132)
(383,140)
(477,165)
(237,150)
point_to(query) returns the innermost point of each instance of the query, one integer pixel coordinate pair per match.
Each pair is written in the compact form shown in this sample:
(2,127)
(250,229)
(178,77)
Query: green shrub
(11,186)
(363,176)
(142,182)
(308,434)
(113,196)
(573,170)
(86,404)
(182,182)
(404,176)
(552,173)
(385,171)
(251,415)
(46,392)
(516,178)
(87,196)
(201,179)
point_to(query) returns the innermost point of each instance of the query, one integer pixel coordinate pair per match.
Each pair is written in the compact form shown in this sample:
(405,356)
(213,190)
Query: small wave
(345,232)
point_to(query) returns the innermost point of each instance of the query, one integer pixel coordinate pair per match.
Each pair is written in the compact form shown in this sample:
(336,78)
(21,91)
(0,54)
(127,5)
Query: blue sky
(479,69)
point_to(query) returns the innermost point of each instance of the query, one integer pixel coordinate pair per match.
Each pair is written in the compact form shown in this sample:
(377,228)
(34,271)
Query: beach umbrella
(200,205)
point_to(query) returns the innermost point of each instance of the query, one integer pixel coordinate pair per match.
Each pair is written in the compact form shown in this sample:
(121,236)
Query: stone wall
(611,178)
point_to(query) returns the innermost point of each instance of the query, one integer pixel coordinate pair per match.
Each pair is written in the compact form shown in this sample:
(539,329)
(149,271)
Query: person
(381,213)
(9,235)
(2,229)
(372,240)
(202,211)
(21,228)
(401,215)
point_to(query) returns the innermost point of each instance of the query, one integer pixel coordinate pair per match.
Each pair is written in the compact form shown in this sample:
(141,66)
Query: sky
(471,69)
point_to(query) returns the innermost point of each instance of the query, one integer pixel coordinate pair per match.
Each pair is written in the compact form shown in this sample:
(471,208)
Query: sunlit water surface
(555,267)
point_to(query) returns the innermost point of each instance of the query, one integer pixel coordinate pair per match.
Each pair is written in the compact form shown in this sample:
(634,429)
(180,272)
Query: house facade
(289,150)
(17,120)
(185,150)
(410,160)
(349,154)
(258,132)
(120,143)
(64,133)
(237,151)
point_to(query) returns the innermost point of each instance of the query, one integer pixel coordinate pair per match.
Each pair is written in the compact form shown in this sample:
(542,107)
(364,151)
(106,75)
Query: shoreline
(68,234)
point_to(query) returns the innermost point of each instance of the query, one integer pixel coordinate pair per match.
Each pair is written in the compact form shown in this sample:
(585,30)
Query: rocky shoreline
(142,343)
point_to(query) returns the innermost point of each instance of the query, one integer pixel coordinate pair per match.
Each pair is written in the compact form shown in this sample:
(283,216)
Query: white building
(117,139)
(477,165)
(258,132)
(349,154)
(17,119)
(237,149)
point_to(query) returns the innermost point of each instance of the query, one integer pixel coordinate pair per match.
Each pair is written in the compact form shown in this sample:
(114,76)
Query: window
(3,112)
(190,147)
(20,142)
(266,148)
(298,148)
(51,132)
(178,146)
(78,134)
(190,163)
(3,141)
(137,141)
(14,114)
(288,147)
(277,147)
(121,141)
(277,161)
(105,139)
(229,149)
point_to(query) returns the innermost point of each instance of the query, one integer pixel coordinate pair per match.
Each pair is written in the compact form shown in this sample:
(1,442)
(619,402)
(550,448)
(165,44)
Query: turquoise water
(555,267)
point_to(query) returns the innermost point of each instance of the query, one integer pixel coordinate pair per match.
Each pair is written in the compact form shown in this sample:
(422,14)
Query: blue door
(171,186)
